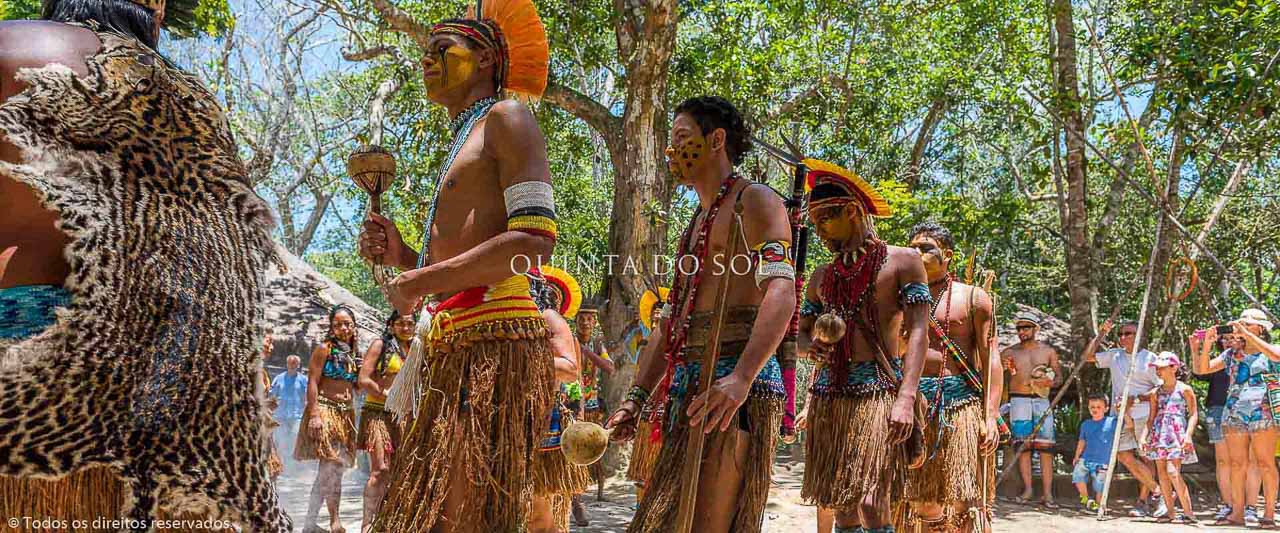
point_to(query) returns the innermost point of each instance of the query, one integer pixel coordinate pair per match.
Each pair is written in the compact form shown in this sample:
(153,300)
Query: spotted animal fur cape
(153,369)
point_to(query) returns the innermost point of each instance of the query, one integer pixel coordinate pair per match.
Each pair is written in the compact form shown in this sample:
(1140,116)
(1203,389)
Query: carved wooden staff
(706,374)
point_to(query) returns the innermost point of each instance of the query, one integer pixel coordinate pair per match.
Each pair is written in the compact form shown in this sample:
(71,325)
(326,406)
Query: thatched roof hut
(297,310)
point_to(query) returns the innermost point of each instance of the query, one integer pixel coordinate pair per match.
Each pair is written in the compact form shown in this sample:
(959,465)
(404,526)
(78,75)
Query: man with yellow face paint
(741,411)
(861,405)
(963,425)
(484,387)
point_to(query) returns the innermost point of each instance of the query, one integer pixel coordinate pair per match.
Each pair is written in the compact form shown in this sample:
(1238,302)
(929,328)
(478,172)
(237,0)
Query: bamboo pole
(1133,364)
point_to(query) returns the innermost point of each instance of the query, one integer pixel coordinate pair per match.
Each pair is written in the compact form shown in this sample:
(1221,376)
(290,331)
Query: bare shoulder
(981,301)
(38,43)
(556,324)
(903,255)
(509,117)
(758,196)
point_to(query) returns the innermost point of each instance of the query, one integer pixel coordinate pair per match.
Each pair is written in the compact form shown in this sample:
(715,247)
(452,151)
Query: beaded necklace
(461,127)
(848,291)
(684,291)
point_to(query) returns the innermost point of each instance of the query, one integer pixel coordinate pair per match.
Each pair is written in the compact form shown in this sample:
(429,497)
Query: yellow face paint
(683,159)
(453,68)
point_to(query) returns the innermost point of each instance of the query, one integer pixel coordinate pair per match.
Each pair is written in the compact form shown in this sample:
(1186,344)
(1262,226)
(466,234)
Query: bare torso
(741,272)
(23,221)
(956,312)
(1026,357)
(471,208)
(889,316)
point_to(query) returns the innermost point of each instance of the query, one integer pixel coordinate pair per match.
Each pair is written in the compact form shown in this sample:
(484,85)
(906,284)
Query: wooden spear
(706,374)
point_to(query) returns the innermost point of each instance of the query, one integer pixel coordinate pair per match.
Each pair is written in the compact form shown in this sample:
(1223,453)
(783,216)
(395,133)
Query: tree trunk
(1076,225)
(1164,246)
(931,120)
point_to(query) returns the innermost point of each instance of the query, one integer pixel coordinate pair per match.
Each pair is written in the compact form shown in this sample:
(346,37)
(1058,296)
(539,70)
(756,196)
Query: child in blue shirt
(1093,450)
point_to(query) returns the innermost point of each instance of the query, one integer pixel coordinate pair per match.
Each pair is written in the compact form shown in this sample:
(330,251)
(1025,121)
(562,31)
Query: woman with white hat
(1249,422)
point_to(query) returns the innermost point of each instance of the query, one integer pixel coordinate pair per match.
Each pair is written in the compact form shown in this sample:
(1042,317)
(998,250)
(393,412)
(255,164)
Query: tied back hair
(333,313)
(390,344)
(120,16)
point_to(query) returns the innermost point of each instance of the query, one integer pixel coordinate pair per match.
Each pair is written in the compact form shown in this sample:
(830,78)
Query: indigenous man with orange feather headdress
(862,404)
(485,380)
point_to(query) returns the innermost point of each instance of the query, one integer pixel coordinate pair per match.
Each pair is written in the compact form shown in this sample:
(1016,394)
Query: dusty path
(785,512)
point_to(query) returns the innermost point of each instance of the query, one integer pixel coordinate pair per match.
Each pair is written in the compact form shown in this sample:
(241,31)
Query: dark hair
(389,341)
(334,313)
(712,113)
(934,231)
(120,16)
(1099,397)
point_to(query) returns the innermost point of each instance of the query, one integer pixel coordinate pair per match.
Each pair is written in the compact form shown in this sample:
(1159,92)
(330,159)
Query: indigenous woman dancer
(379,433)
(329,421)
(555,480)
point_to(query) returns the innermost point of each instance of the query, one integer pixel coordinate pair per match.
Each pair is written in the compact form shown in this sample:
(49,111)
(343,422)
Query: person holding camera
(1249,423)
(1215,404)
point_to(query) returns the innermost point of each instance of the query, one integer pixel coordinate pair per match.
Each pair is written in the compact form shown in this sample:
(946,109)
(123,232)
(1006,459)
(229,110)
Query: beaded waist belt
(28,310)
(341,406)
(501,311)
(949,391)
(864,378)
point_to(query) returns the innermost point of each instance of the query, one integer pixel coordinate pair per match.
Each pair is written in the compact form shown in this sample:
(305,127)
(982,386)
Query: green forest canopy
(954,108)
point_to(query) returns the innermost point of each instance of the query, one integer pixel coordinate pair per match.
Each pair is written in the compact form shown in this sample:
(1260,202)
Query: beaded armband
(638,394)
(914,293)
(810,308)
(531,208)
(775,262)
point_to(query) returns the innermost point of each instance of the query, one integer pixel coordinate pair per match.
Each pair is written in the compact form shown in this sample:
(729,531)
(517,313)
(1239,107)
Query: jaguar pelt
(154,368)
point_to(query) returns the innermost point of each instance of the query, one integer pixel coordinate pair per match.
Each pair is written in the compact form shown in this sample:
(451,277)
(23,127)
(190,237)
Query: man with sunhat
(487,374)
(862,405)
(1126,366)
(133,217)
(1033,370)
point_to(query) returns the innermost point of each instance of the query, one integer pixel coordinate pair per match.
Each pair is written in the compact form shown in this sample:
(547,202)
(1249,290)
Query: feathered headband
(828,184)
(514,30)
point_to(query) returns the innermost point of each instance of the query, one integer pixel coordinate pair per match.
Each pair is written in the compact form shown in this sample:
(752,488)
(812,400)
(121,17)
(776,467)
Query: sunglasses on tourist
(1128,333)
(1021,328)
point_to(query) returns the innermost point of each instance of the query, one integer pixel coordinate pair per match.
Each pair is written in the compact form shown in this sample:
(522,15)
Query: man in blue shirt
(290,388)
(1093,451)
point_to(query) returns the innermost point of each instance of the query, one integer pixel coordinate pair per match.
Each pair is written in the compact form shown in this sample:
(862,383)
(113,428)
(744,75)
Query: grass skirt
(847,452)
(337,438)
(551,473)
(86,495)
(378,430)
(661,501)
(505,377)
(951,473)
(644,453)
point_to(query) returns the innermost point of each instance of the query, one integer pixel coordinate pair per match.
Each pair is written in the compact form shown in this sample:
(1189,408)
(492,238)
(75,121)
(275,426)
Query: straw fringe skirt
(336,439)
(847,453)
(551,473)
(951,474)
(644,453)
(87,494)
(378,431)
(490,442)
(661,501)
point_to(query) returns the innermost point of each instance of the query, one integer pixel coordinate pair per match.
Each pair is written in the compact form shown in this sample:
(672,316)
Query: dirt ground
(785,512)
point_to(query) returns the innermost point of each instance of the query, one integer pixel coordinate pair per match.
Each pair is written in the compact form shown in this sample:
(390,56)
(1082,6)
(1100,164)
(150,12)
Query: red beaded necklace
(684,291)
(847,290)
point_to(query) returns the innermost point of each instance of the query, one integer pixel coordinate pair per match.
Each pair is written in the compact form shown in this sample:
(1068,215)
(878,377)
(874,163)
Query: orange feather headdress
(513,28)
